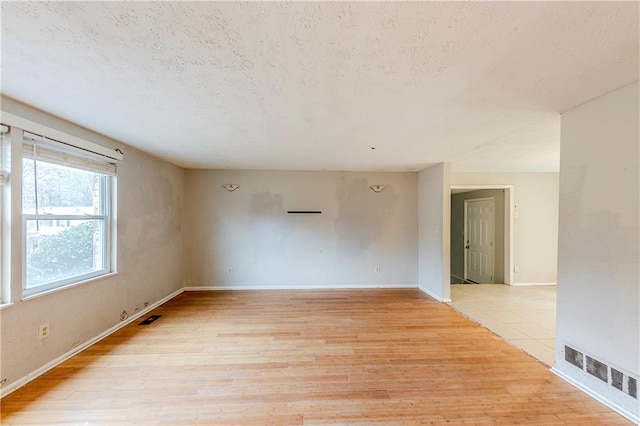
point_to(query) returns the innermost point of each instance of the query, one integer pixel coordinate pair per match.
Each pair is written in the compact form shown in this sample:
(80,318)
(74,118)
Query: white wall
(150,198)
(535,233)
(433,233)
(250,231)
(599,247)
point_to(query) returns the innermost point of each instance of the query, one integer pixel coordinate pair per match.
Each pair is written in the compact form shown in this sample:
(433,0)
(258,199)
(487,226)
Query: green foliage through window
(65,254)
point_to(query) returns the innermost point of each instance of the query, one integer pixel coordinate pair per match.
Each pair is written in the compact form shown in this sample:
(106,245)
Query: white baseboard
(62,358)
(457,277)
(530,284)
(294,287)
(635,418)
(433,296)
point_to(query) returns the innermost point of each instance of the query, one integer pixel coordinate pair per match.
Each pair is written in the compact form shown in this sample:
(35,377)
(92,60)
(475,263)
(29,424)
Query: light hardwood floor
(303,357)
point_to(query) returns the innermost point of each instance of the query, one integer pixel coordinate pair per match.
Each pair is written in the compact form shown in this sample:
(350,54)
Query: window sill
(5,305)
(65,287)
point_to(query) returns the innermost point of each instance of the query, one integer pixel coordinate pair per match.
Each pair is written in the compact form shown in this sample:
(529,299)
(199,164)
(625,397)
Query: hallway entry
(480,249)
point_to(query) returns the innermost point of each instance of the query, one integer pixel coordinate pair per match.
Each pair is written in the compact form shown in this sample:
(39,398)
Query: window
(3,178)
(66,215)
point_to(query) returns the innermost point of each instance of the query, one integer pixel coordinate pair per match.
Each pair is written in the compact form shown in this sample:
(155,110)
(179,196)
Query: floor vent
(617,378)
(150,319)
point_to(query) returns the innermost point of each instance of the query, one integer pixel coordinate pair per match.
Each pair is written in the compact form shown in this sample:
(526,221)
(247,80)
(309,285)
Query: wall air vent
(597,369)
(573,357)
(616,377)
(632,387)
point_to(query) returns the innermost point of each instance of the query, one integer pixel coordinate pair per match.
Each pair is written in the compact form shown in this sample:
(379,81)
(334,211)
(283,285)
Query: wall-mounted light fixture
(231,187)
(377,188)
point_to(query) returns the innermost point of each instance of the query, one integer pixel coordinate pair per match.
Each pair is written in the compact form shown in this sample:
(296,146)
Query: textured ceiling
(313,86)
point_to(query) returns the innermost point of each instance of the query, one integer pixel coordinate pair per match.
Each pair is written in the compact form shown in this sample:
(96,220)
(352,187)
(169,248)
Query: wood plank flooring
(303,357)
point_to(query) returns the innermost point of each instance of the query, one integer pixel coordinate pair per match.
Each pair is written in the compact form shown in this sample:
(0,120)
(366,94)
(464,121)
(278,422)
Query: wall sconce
(231,187)
(377,188)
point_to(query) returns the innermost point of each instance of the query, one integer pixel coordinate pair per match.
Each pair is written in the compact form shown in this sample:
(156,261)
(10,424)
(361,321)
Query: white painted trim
(457,277)
(62,358)
(479,186)
(65,287)
(509,238)
(446,230)
(6,305)
(433,296)
(465,234)
(606,401)
(49,132)
(530,284)
(292,287)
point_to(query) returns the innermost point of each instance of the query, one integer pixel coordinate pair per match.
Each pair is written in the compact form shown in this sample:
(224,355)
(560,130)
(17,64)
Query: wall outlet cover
(43,331)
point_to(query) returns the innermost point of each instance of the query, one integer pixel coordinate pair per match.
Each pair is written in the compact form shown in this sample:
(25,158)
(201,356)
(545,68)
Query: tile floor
(523,316)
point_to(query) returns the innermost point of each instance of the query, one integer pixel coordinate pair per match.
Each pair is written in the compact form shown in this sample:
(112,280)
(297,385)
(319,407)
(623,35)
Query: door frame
(493,247)
(509,210)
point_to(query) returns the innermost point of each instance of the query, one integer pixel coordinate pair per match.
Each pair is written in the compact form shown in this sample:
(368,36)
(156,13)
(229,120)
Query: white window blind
(40,148)
(4,175)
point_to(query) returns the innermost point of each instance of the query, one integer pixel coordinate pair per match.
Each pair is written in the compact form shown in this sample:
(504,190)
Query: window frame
(107,158)
(4,130)
(106,183)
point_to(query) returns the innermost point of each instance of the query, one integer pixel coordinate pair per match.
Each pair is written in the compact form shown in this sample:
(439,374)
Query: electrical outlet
(516,269)
(377,269)
(230,271)
(43,331)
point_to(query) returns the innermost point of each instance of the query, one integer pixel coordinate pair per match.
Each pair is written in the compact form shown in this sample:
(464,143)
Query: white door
(479,235)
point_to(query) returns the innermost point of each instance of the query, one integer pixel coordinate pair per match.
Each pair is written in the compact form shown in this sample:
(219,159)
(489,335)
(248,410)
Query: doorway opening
(481,246)
(525,316)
